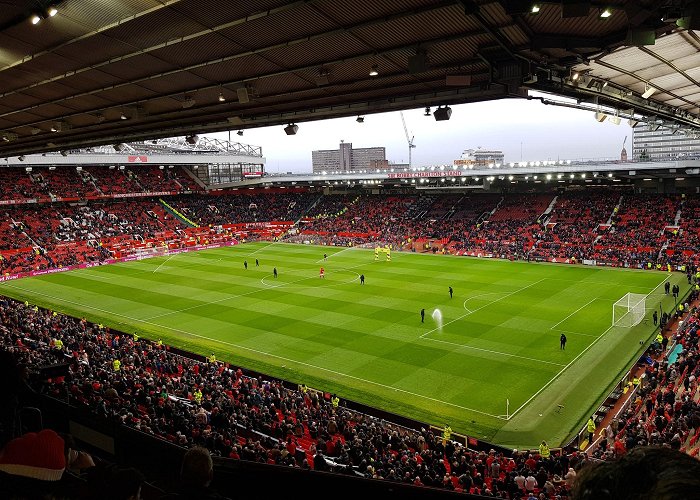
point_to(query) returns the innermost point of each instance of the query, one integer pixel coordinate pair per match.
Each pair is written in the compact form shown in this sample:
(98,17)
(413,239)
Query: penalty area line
(257,351)
(164,262)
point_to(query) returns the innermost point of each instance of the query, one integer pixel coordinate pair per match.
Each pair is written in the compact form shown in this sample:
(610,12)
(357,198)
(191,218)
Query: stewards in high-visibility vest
(591,429)
(544,450)
(116,364)
(335,401)
(198,396)
(446,433)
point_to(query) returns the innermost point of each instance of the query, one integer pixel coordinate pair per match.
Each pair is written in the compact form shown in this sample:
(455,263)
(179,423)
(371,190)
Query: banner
(137,159)
(411,175)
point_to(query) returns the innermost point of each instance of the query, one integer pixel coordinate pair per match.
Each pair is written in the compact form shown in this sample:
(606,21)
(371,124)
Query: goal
(145,253)
(629,310)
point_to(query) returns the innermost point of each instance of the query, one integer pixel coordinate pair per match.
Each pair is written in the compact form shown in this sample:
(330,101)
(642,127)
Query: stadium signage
(141,195)
(137,159)
(412,175)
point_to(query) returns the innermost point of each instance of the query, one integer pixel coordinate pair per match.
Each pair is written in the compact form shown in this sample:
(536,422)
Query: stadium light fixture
(291,129)
(374,71)
(606,13)
(648,91)
(510,177)
(535,9)
(221,97)
(240,132)
(360,119)
(122,116)
(36,19)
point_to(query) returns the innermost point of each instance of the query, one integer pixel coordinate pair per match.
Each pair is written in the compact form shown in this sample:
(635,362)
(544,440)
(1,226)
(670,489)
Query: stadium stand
(193,402)
(186,401)
(605,226)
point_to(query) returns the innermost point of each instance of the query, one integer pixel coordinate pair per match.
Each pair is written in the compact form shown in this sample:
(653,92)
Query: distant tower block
(623,153)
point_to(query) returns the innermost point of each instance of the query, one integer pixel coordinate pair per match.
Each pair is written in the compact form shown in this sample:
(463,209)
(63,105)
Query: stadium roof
(125,70)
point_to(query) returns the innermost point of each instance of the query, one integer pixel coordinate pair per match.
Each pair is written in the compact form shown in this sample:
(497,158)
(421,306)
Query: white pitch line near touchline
(257,351)
(464,346)
(163,263)
(576,358)
(577,310)
(480,308)
(336,253)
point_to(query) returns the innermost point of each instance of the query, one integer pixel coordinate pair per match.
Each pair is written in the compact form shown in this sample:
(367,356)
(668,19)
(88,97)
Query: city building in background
(480,158)
(347,159)
(651,142)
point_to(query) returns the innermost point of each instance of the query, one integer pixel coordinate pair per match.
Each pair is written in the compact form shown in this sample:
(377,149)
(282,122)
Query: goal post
(630,310)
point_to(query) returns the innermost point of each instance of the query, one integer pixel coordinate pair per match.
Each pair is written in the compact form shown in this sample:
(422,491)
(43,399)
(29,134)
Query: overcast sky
(545,132)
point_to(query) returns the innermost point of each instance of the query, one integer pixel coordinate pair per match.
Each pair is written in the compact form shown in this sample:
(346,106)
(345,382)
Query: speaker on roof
(192,139)
(442,114)
(640,36)
(243,95)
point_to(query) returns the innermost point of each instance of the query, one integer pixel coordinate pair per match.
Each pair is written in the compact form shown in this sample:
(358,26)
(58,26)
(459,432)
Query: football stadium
(180,321)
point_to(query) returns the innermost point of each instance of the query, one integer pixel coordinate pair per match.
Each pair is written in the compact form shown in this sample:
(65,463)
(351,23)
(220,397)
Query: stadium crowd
(604,226)
(205,403)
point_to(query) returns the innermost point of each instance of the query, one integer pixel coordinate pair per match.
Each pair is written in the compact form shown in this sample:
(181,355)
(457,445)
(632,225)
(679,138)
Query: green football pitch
(493,370)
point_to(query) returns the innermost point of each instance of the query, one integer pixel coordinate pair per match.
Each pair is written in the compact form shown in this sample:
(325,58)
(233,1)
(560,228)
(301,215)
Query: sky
(542,132)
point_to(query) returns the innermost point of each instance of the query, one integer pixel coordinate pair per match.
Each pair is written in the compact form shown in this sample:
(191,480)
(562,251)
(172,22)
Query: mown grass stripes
(366,342)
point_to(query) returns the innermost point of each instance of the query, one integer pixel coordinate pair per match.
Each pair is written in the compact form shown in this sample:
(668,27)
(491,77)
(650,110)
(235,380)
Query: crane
(410,141)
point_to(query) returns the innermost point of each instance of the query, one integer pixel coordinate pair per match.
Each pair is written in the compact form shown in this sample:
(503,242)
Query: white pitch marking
(163,263)
(258,352)
(577,310)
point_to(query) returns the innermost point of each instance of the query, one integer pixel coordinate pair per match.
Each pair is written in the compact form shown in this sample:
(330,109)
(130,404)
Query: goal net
(629,310)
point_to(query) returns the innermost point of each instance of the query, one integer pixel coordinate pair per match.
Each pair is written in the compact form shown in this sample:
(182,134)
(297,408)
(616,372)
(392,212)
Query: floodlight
(648,91)
(374,71)
(291,129)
